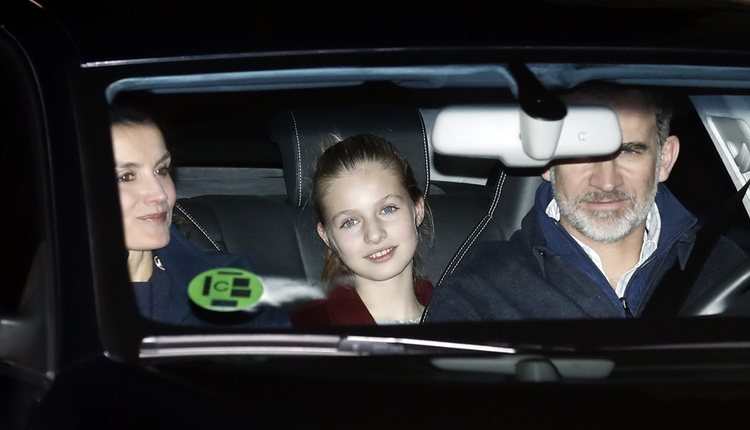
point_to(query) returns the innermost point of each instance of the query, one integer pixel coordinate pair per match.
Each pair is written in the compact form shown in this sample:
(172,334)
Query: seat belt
(676,284)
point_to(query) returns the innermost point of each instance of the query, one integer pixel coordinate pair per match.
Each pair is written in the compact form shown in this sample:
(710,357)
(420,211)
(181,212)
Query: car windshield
(540,187)
(244,146)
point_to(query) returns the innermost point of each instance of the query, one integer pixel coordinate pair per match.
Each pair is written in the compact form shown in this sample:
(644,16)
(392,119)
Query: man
(601,235)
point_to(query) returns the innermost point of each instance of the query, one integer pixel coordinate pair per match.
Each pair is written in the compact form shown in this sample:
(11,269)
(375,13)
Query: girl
(372,216)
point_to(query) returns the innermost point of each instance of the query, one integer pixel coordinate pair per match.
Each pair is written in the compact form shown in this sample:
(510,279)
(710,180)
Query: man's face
(606,200)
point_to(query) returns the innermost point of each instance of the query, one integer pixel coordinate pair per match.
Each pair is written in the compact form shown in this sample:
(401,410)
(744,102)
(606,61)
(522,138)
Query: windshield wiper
(446,356)
(302,344)
(373,345)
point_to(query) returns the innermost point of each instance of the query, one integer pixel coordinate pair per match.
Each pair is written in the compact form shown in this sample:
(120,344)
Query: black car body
(74,353)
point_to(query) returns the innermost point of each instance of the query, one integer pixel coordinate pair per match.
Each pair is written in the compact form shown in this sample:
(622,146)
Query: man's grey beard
(604,226)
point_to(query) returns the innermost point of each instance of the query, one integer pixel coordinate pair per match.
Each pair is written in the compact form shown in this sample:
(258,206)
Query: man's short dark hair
(606,92)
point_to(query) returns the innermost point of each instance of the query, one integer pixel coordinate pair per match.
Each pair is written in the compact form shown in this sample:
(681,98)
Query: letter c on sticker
(221,286)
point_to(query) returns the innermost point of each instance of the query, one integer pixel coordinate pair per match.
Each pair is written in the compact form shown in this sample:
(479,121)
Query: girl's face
(371,223)
(147,193)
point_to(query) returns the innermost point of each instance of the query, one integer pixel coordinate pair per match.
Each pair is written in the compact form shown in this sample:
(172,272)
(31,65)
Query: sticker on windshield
(226,289)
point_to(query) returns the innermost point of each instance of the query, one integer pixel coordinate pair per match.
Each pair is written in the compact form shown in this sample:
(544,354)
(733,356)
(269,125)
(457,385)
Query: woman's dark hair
(349,155)
(134,107)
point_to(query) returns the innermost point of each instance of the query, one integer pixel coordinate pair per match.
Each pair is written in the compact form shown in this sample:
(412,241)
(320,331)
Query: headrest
(302,133)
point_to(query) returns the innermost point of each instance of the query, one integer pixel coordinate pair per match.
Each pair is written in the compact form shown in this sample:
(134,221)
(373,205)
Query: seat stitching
(481,225)
(200,228)
(425,152)
(299,159)
(498,191)
(462,251)
(465,247)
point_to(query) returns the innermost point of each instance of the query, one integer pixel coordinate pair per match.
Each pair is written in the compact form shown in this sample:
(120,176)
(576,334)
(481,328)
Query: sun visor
(505,132)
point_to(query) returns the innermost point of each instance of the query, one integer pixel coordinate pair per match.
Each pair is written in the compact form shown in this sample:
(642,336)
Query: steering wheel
(723,294)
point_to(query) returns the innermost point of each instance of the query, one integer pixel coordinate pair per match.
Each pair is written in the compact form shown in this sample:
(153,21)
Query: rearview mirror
(494,131)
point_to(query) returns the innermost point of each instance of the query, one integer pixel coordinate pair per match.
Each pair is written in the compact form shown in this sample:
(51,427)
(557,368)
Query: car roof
(136,30)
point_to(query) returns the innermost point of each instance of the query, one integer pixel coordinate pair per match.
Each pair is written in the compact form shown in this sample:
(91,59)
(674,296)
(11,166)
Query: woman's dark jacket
(165,298)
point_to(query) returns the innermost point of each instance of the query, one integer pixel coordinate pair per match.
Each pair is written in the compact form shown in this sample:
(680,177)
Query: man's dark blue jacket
(165,298)
(542,273)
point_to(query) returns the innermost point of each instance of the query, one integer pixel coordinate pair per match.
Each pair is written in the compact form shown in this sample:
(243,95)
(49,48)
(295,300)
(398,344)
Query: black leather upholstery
(261,227)
(510,198)
(301,135)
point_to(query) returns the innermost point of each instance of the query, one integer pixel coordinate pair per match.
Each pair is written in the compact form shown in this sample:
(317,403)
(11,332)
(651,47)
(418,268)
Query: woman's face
(147,193)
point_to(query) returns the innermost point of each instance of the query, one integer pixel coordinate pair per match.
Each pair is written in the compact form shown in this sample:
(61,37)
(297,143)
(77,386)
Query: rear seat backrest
(301,133)
(261,227)
(511,196)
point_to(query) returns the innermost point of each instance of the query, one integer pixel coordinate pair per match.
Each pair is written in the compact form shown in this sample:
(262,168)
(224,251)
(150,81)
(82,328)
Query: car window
(240,143)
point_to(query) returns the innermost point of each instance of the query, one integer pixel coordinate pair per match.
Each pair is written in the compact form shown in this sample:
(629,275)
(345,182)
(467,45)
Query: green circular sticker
(225,289)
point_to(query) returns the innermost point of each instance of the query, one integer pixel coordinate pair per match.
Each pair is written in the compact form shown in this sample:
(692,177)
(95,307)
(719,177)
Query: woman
(161,261)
